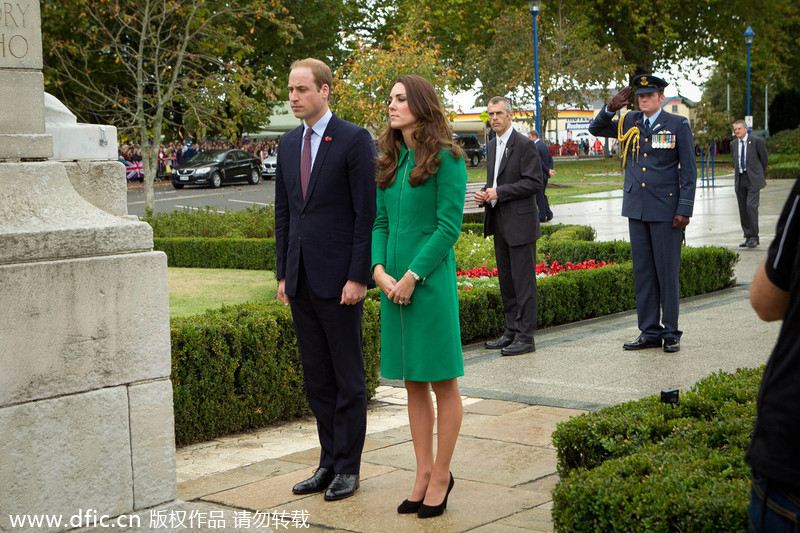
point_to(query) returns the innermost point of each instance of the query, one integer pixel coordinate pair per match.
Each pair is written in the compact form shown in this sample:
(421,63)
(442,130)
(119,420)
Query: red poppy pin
(327,139)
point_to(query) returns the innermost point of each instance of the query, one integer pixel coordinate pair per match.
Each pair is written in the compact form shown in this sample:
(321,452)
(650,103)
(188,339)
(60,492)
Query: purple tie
(305,161)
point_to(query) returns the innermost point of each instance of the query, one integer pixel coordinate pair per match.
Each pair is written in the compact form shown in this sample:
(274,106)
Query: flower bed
(482,276)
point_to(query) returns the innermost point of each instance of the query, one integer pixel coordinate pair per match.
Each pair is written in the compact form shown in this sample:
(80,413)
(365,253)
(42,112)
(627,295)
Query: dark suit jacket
(755,159)
(518,181)
(332,226)
(545,158)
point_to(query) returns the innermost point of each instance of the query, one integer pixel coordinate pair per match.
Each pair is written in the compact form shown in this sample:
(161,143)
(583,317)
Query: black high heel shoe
(408,507)
(429,511)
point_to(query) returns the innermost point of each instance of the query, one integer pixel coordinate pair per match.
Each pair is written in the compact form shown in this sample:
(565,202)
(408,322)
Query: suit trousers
(330,341)
(543,204)
(749,198)
(656,253)
(516,267)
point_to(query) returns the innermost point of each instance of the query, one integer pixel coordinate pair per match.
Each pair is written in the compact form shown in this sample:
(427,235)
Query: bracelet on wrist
(414,275)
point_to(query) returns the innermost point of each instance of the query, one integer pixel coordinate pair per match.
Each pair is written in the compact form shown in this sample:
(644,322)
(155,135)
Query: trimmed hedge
(212,247)
(254,222)
(563,231)
(237,368)
(786,171)
(648,466)
(581,294)
(192,252)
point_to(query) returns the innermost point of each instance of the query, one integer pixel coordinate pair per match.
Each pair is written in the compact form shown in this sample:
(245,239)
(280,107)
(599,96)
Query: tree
(131,62)
(652,34)
(362,85)
(572,68)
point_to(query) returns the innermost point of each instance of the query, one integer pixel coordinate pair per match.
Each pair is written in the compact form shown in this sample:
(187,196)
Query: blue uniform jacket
(660,179)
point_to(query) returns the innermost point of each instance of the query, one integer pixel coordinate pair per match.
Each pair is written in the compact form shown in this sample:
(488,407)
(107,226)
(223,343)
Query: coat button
(647,139)
(642,184)
(644,169)
(303,215)
(645,155)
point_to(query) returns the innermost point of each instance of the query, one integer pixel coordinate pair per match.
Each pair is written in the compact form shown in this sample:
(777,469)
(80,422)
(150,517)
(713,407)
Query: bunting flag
(134,170)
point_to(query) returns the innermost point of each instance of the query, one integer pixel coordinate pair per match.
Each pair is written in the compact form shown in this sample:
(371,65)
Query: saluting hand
(620,100)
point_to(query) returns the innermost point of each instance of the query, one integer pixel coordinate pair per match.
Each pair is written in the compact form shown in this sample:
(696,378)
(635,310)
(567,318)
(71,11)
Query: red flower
(327,139)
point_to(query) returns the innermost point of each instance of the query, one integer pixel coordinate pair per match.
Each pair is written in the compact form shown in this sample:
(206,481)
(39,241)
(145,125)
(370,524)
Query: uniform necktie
(305,161)
(741,156)
(647,124)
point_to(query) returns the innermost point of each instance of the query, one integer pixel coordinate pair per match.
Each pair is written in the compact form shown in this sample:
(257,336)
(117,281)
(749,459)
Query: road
(226,198)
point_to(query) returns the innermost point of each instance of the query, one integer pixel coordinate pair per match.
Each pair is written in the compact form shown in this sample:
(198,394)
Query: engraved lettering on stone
(10,18)
(13,16)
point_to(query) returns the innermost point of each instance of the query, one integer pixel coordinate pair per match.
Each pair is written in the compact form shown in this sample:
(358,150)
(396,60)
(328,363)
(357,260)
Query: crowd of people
(173,154)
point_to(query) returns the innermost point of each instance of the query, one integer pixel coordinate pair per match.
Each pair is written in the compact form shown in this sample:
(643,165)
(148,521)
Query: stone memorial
(86,420)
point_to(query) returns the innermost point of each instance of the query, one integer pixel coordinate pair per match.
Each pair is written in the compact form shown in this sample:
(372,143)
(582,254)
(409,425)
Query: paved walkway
(504,465)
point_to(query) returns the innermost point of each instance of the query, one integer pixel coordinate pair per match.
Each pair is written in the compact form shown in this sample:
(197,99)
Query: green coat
(416,228)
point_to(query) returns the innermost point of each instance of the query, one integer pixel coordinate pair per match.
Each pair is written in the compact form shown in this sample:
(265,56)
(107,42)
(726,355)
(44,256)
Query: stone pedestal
(86,420)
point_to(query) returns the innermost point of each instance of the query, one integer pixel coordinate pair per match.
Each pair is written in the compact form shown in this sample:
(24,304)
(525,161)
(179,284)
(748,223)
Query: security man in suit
(545,213)
(749,165)
(657,150)
(513,177)
(324,210)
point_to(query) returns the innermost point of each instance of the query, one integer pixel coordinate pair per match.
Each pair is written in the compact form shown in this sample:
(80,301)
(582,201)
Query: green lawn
(577,177)
(194,290)
(573,178)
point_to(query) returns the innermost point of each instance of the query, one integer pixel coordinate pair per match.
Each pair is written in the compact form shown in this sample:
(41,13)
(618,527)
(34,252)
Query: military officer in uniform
(657,150)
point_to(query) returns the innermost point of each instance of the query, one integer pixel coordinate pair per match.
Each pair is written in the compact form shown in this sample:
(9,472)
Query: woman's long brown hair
(431,135)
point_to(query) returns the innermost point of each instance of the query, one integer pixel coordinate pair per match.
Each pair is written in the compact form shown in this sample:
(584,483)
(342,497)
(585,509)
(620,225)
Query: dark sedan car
(215,167)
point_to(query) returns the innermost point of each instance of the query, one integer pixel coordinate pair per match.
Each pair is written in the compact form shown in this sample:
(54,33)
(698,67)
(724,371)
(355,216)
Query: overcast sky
(687,83)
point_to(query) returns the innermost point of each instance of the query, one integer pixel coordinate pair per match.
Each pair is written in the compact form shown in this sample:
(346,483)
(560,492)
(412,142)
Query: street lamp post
(534,6)
(748,38)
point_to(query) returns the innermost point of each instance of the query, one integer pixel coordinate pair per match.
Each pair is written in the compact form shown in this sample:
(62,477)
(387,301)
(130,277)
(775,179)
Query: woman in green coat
(421,186)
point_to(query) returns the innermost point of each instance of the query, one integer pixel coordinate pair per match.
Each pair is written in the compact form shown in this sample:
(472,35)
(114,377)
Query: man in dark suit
(324,211)
(658,199)
(545,213)
(513,177)
(749,166)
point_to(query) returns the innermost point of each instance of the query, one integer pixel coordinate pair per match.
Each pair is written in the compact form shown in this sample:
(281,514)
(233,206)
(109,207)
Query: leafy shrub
(470,227)
(705,269)
(238,368)
(255,222)
(249,254)
(786,171)
(473,249)
(784,142)
(577,251)
(473,218)
(648,466)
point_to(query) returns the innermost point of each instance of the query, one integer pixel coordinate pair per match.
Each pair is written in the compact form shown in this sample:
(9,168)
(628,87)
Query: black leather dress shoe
(742,245)
(752,242)
(672,345)
(641,343)
(343,486)
(502,342)
(317,483)
(518,348)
